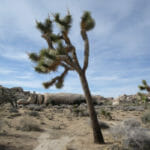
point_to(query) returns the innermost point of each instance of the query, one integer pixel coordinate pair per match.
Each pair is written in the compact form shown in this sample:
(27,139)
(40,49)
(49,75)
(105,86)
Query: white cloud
(12,52)
(26,75)
(6,71)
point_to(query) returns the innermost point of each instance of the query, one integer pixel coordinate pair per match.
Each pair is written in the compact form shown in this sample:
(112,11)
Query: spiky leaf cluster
(87,22)
(145,86)
(46,61)
(65,23)
(34,57)
(45,27)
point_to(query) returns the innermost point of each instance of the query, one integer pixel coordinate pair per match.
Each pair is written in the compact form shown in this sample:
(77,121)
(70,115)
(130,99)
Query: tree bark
(98,137)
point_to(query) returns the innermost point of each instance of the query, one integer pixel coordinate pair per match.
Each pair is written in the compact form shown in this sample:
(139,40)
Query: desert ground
(66,127)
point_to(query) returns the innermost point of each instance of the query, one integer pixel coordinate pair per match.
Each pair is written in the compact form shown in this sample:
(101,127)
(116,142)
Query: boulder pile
(11,95)
(18,96)
(125,99)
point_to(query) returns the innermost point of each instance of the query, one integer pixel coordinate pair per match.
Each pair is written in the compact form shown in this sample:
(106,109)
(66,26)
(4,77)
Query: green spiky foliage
(87,22)
(143,96)
(62,53)
(145,86)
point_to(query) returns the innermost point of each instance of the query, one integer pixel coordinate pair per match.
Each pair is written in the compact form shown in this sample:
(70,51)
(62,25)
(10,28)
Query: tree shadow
(4,147)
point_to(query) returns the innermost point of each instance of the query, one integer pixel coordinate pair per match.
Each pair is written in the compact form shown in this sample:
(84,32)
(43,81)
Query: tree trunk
(98,137)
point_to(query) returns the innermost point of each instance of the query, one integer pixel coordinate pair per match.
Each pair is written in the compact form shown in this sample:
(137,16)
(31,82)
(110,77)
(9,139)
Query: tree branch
(57,78)
(67,60)
(48,39)
(74,55)
(86,49)
(66,66)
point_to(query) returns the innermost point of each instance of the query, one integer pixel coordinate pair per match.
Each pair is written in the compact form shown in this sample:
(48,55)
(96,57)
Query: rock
(127,99)
(32,99)
(22,102)
(40,99)
(11,95)
(115,102)
(47,99)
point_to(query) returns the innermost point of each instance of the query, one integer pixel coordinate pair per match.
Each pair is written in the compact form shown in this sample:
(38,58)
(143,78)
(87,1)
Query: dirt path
(47,143)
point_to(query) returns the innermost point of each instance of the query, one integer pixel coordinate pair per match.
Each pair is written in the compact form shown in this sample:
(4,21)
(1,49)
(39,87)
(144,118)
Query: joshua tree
(62,53)
(143,87)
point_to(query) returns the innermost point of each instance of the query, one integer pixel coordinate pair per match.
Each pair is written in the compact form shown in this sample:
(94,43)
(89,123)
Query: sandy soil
(60,129)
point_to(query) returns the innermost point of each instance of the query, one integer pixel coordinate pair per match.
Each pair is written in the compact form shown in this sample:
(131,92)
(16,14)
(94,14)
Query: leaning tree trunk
(98,137)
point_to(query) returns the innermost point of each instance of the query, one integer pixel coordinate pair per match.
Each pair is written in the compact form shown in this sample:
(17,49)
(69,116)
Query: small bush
(146,117)
(27,124)
(35,107)
(132,135)
(13,110)
(106,114)
(131,123)
(125,128)
(79,112)
(137,140)
(33,113)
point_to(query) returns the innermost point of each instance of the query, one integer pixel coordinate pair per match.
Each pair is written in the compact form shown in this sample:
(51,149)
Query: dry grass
(28,124)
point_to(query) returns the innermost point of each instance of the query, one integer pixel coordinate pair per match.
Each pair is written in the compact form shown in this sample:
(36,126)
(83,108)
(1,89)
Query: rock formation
(18,96)
(11,95)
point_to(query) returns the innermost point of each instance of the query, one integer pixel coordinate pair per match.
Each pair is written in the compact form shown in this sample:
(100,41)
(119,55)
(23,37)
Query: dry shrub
(132,135)
(106,114)
(28,124)
(33,114)
(79,111)
(146,117)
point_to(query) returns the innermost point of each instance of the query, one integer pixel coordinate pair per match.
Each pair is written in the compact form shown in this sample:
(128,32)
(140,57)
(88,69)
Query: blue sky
(119,44)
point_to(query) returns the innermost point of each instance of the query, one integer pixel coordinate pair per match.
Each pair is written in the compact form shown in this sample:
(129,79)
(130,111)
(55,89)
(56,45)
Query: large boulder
(22,102)
(63,98)
(70,98)
(32,99)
